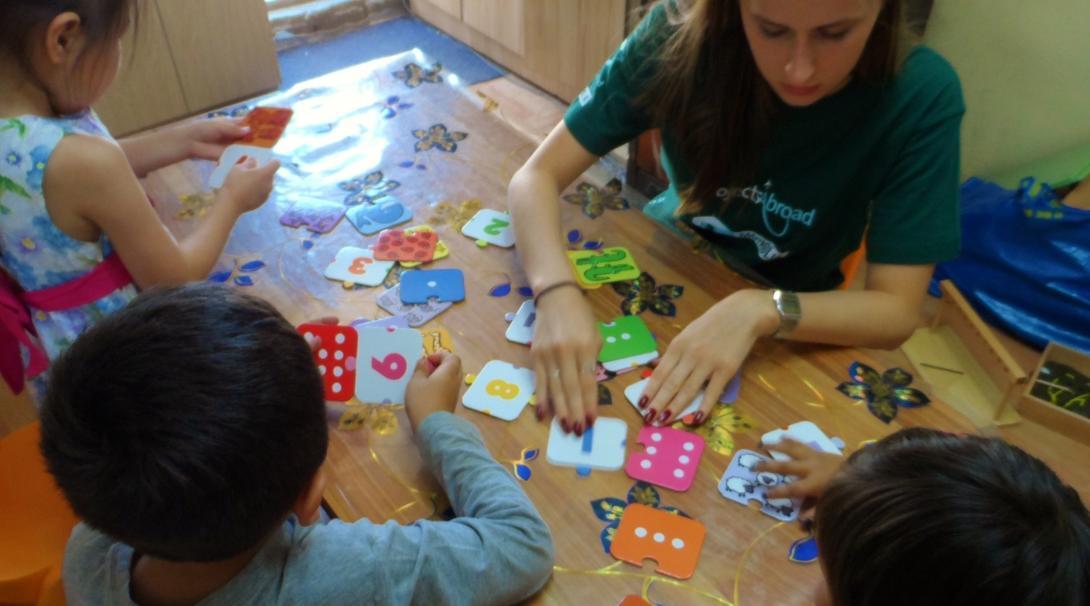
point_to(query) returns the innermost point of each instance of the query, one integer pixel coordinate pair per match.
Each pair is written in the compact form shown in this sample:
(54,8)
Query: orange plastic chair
(850,266)
(35,521)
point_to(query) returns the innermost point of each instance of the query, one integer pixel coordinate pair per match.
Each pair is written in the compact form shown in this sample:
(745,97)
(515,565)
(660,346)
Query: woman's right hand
(249,185)
(565,353)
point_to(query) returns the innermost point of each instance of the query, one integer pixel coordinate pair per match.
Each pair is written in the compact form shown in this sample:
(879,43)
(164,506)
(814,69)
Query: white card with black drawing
(385,363)
(600,447)
(742,483)
(500,390)
(521,329)
(237,154)
(805,432)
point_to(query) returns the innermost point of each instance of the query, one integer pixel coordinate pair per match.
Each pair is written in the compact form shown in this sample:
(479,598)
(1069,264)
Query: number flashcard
(600,447)
(358,265)
(385,363)
(336,358)
(742,483)
(267,125)
(633,392)
(626,344)
(596,267)
(422,285)
(803,431)
(521,329)
(669,458)
(500,390)
(671,540)
(238,154)
(371,219)
(491,227)
(397,245)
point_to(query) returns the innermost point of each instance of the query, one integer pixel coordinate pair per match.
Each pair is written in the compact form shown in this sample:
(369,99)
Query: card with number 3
(359,266)
(385,363)
(500,390)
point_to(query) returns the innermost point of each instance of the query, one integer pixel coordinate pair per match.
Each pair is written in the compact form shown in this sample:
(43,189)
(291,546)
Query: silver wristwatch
(787,305)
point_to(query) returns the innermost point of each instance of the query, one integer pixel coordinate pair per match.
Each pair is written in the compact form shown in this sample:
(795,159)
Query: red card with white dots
(336,358)
(669,458)
(396,245)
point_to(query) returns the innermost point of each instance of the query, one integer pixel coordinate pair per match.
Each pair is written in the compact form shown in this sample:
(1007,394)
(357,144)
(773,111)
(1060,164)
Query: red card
(336,358)
(397,245)
(266,124)
(634,600)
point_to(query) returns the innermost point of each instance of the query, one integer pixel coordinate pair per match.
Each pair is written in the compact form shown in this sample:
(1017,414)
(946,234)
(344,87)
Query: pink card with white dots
(669,458)
(336,358)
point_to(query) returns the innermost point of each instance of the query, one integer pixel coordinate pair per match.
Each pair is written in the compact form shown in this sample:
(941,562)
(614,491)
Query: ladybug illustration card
(398,245)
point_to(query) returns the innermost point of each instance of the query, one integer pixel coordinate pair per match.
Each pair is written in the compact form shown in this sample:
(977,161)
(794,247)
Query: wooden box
(1055,416)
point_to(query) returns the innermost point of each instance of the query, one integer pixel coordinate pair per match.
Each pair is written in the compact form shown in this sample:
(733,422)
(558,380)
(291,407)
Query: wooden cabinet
(558,45)
(191,56)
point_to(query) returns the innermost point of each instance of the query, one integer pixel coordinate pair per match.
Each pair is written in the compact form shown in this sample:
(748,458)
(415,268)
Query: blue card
(421,285)
(371,219)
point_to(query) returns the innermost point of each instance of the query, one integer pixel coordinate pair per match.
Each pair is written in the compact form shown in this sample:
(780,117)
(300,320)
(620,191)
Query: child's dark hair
(102,20)
(186,425)
(926,517)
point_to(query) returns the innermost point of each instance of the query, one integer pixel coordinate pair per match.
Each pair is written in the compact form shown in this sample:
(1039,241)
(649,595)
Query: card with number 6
(385,363)
(500,390)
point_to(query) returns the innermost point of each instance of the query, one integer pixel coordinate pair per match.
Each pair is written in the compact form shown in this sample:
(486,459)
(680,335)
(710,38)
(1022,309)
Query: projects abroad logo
(773,210)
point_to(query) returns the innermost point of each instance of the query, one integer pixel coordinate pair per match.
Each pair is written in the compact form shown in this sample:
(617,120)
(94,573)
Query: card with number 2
(385,363)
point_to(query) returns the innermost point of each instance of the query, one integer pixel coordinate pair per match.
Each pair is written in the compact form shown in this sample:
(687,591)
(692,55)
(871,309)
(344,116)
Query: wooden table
(375,472)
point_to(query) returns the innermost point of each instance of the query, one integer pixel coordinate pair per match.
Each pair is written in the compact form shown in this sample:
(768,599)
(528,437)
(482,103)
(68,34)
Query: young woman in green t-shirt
(791,128)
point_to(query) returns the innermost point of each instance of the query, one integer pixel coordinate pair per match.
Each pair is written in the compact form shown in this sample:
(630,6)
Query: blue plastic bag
(1025,262)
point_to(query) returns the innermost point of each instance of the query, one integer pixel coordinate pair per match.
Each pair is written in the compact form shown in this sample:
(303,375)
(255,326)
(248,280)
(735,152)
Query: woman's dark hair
(186,425)
(708,91)
(102,20)
(927,517)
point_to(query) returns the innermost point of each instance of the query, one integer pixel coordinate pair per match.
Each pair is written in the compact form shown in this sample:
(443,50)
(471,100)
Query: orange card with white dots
(398,245)
(267,124)
(671,540)
(336,358)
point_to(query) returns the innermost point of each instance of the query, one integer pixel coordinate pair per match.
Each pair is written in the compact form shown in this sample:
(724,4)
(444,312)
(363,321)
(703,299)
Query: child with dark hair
(925,517)
(188,432)
(78,235)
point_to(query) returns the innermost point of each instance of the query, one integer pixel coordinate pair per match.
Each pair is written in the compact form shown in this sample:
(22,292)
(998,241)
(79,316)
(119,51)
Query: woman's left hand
(708,352)
(206,139)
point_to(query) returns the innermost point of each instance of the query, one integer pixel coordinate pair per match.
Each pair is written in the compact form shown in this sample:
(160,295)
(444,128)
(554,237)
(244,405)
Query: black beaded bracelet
(552,287)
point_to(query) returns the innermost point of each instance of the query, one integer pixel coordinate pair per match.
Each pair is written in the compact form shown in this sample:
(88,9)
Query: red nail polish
(540,412)
(579,429)
(590,421)
(650,416)
(643,401)
(698,418)
(665,415)
(565,426)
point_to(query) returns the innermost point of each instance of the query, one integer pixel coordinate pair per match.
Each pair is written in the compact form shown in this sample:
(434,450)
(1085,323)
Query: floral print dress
(33,251)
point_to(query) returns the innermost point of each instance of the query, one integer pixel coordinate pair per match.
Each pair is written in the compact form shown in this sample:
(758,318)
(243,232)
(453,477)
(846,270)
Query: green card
(626,338)
(594,267)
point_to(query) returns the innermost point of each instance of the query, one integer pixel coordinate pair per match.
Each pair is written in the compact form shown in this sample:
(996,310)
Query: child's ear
(63,38)
(309,503)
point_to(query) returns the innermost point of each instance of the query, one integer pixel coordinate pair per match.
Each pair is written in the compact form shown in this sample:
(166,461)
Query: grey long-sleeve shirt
(498,551)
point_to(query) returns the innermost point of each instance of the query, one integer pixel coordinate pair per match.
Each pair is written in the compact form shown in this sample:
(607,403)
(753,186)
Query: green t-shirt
(883,160)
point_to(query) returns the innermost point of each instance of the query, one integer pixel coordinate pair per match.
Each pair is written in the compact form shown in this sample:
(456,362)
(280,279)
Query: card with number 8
(500,390)
(335,357)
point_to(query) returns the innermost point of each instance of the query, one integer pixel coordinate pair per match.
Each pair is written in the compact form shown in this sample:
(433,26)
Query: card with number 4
(358,266)
(500,390)
(238,154)
(491,227)
(335,357)
(596,267)
(385,363)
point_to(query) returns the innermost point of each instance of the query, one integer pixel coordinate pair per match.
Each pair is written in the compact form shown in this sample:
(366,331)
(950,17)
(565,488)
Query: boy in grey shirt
(188,432)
